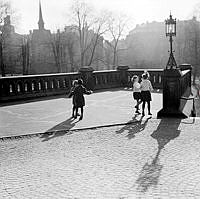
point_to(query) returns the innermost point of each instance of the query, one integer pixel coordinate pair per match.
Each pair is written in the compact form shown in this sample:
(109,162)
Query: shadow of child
(133,127)
(59,130)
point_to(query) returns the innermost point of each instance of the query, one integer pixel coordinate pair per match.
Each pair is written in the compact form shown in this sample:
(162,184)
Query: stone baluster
(123,75)
(87,76)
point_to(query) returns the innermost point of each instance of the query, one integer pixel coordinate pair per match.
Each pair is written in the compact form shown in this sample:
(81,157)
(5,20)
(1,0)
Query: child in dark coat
(79,92)
(74,85)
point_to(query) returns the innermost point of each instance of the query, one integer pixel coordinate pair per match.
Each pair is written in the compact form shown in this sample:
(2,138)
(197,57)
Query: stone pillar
(187,67)
(87,76)
(123,75)
(172,92)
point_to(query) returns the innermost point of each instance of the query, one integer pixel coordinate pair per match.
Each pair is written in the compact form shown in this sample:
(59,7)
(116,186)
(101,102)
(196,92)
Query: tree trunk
(115,54)
(28,58)
(24,59)
(114,58)
(58,64)
(93,50)
(1,61)
(82,59)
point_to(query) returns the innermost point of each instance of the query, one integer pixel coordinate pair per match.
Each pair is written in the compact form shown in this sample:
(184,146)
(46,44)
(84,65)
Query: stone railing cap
(86,69)
(185,66)
(172,73)
(122,67)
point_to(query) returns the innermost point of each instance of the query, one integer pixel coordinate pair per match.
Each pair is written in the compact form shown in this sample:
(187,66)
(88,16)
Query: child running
(136,92)
(146,88)
(74,85)
(79,92)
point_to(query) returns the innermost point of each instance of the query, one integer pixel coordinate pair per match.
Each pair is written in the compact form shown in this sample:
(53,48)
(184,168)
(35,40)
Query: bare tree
(117,26)
(57,49)
(71,39)
(80,13)
(4,9)
(1,57)
(71,53)
(26,55)
(90,27)
(99,28)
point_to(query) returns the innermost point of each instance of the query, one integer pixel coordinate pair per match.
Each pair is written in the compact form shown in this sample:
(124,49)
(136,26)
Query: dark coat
(71,94)
(79,92)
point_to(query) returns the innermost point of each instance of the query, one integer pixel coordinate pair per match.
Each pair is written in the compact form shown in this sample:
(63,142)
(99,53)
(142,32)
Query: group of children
(142,92)
(78,100)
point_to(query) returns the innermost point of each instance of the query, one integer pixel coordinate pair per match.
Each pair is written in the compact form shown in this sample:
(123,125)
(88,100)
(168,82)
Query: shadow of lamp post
(175,81)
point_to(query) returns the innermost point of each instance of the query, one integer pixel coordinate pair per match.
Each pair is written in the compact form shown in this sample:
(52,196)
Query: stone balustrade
(106,79)
(155,76)
(33,86)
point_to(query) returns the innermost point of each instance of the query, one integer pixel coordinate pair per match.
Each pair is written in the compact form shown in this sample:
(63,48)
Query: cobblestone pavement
(149,159)
(102,108)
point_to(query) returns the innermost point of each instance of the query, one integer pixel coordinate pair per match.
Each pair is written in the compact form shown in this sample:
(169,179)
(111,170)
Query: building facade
(147,46)
(11,43)
(43,52)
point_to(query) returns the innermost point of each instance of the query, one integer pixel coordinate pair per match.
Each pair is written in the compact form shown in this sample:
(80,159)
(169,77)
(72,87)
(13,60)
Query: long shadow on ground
(59,130)
(166,131)
(134,126)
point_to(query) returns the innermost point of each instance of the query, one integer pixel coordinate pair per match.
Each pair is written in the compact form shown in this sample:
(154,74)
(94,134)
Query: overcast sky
(56,12)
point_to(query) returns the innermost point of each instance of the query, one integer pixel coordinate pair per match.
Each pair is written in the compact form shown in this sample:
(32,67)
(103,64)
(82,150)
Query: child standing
(74,85)
(146,88)
(136,92)
(79,92)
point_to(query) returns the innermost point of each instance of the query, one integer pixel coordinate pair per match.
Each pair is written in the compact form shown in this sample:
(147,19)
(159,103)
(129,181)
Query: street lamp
(170,29)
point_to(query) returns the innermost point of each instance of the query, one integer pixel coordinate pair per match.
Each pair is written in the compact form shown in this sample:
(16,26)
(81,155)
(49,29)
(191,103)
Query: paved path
(103,108)
(149,159)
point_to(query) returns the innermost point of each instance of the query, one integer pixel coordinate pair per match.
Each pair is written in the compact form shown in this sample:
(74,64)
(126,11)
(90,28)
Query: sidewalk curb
(78,129)
(70,130)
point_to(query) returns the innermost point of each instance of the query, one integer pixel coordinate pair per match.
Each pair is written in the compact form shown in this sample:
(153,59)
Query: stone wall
(41,54)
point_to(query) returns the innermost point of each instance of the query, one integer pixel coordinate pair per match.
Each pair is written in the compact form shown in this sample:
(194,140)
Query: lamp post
(173,80)
(170,29)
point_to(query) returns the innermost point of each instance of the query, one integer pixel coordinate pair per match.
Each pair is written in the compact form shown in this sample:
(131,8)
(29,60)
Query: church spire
(41,21)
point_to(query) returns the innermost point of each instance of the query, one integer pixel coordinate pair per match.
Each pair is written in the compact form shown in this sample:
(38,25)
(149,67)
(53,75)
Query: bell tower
(41,21)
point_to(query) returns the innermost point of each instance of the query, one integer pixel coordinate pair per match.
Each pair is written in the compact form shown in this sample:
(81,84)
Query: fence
(33,86)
